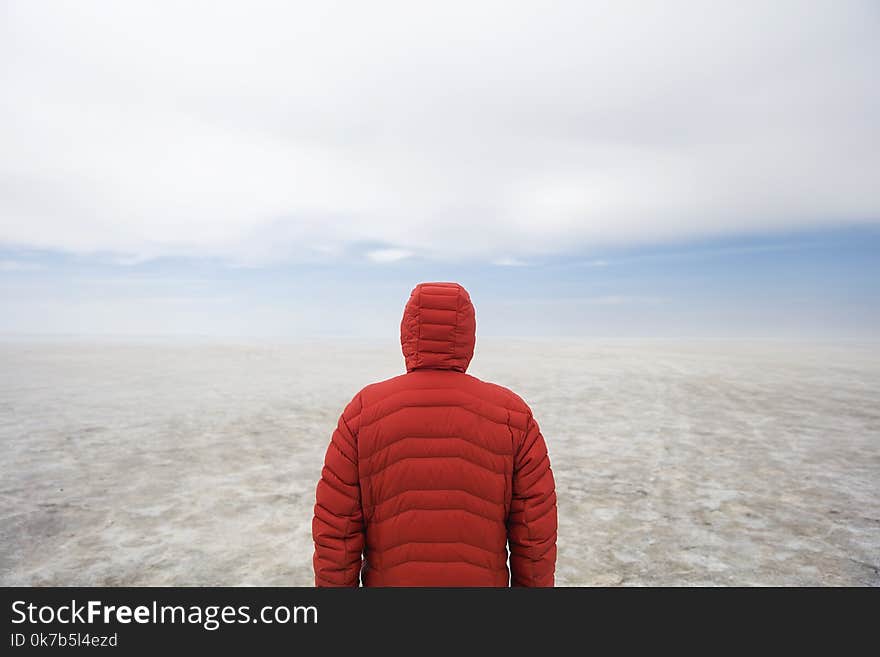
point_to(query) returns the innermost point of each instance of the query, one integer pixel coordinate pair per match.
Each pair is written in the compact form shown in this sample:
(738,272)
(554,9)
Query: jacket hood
(438,329)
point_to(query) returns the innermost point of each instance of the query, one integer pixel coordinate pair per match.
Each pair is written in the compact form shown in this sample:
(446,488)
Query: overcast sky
(301,138)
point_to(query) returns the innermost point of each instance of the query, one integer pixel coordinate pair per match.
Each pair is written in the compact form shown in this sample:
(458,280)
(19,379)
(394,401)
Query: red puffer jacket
(430,475)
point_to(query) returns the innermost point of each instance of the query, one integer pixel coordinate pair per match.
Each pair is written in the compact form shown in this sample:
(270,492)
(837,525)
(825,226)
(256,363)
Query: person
(431,475)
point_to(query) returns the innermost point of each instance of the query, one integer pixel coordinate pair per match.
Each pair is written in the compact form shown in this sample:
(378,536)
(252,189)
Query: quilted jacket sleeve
(531,527)
(338,525)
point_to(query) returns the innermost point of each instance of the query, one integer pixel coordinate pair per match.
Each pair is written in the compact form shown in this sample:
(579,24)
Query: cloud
(507,261)
(16,265)
(486,130)
(389,255)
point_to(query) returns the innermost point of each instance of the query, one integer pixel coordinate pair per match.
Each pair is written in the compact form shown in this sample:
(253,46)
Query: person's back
(431,474)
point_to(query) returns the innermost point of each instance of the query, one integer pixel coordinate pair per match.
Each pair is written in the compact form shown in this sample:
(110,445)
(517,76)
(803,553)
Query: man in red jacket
(431,475)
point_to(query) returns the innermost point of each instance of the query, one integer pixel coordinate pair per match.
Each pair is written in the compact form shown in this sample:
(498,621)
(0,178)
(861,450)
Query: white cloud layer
(494,130)
(389,255)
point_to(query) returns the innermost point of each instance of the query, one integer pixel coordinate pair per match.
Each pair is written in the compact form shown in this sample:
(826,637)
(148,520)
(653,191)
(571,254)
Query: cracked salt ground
(676,463)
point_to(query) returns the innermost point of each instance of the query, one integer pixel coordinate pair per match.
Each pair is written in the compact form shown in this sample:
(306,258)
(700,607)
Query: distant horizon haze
(805,286)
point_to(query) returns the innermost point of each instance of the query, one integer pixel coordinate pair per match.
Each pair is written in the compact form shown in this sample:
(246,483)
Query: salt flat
(676,463)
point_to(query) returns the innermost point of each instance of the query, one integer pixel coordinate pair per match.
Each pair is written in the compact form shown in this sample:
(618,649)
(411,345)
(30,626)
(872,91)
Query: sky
(253,169)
